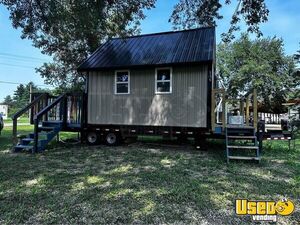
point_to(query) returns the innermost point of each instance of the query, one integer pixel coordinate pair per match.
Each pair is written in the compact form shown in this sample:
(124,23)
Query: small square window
(163,80)
(122,88)
(122,79)
(163,87)
(163,75)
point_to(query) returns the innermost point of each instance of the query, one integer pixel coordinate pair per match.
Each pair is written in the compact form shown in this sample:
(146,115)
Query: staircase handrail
(21,112)
(49,107)
(30,105)
(40,114)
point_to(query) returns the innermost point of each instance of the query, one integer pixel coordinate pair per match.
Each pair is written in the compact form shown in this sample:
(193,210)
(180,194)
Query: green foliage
(296,93)
(194,13)
(189,14)
(261,64)
(20,98)
(297,56)
(71,30)
(8,100)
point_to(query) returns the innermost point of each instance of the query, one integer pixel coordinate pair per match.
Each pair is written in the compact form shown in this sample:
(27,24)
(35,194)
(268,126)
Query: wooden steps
(46,133)
(44,128)
(21,147)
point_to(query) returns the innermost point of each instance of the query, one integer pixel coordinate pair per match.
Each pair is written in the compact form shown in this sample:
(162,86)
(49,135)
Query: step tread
(241,137)
(24,146)
(242,147)
(53,121)
(244,157)
(52,124)
(27,139)
(21,135)
(46,128)
(239,127)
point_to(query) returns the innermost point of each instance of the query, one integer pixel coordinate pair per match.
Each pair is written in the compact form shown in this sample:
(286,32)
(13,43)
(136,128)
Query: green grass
(20,120)
(141,183)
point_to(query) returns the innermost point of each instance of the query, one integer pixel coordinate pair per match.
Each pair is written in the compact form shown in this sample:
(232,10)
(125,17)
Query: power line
(21,66)
(10,82)
(9,58)
(21,56)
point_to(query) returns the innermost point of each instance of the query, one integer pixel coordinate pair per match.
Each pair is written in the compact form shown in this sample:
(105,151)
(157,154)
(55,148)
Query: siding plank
(186,106)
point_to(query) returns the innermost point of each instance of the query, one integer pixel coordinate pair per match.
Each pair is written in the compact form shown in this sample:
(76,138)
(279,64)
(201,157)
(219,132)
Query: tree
(296,93)
(21,97)
(296,87)
(261,64)
(71,30)
(19,93)
(297,56)
(197,13)
(8,100)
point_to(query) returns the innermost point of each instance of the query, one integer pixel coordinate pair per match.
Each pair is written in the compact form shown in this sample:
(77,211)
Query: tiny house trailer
(154,84)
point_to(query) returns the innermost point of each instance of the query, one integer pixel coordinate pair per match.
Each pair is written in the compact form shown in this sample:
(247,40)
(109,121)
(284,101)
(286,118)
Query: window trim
(118,82)
(156,81)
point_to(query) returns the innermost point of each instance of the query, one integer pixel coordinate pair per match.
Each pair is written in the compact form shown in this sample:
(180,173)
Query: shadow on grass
(140,183)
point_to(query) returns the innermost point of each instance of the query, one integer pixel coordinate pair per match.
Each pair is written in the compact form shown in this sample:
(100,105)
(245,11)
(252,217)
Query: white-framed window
(122,82)
(163,80)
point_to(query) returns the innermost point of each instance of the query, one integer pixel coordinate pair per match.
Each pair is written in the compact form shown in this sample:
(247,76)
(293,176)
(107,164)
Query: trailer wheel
(92,138)
(112,139)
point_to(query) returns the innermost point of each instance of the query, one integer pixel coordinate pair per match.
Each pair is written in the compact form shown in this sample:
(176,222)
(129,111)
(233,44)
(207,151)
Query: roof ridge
(172,47)
(162,33)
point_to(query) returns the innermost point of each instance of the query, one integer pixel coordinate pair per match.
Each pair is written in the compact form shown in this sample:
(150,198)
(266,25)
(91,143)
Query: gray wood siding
(185,106)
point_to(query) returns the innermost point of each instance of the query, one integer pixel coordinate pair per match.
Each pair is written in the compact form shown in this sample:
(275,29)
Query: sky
(18,57)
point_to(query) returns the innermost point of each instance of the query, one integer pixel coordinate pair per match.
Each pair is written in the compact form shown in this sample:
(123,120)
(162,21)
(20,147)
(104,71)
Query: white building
(4,111)
(294,109)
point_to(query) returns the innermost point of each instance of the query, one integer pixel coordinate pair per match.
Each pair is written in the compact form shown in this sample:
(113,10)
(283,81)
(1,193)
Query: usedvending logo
(264,210)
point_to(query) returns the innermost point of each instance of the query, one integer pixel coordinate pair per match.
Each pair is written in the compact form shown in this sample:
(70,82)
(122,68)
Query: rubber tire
(92,138)
(112,139)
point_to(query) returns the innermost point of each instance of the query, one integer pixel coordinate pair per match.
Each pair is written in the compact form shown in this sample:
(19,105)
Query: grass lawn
(141,183)
(20,120)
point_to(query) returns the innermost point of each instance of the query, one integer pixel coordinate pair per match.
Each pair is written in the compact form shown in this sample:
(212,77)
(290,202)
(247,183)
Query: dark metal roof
(181,47)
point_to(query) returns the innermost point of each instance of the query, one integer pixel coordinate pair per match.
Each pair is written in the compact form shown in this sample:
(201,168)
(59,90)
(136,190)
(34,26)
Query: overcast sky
(18,58)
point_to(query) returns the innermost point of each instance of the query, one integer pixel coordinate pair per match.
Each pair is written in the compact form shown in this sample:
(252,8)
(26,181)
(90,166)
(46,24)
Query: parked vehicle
(1,123)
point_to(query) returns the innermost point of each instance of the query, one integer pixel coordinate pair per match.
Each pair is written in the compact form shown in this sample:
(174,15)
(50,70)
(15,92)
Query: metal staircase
(241,143)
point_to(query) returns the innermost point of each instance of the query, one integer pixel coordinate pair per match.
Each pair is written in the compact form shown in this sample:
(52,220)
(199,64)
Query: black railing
(42,104)
(75,103)
(74,107)
(37,101)
(69,109)
(56,104)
